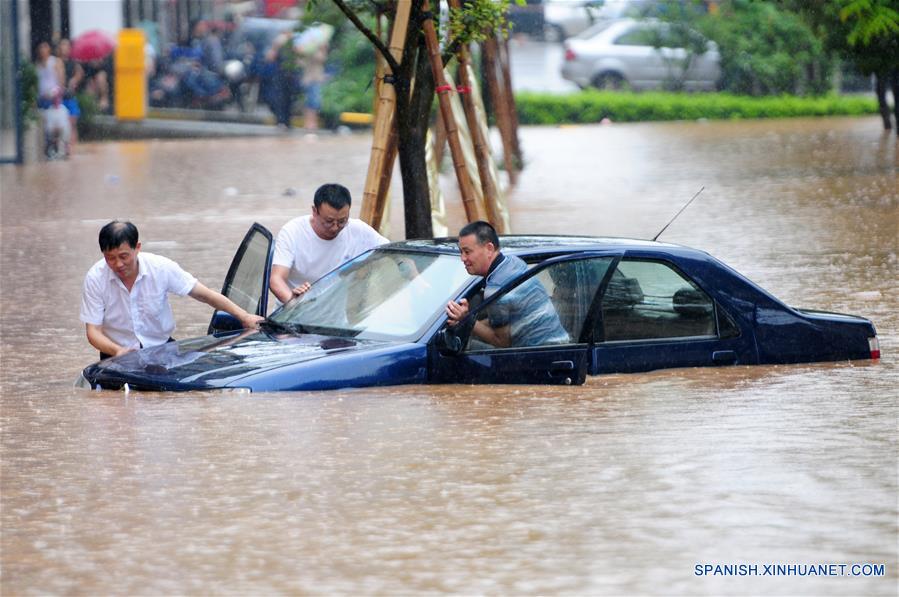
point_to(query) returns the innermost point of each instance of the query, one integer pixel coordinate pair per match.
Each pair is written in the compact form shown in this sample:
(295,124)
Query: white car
(567,18)
(640,55)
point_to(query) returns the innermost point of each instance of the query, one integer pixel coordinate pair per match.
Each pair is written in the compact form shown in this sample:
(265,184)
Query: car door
(557,294)
(247,281)
(652,316)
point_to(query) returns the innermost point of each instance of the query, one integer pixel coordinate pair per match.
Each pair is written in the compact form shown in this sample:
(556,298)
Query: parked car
(641,55)
(626,305)
(566,18)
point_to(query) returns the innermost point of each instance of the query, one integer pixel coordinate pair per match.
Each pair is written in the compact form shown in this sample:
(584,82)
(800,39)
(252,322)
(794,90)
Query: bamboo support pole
(481,151)
(439,138)
(372,212)
(381,202)
(500,106)
(438,206)
(501,207)
(452,133)
(385,179)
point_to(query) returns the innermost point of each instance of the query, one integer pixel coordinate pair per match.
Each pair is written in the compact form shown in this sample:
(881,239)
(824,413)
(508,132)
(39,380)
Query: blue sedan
(625,306)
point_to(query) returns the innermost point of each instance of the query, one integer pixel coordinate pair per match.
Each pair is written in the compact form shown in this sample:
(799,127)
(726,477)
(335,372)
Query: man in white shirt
(124,302)
(309,247)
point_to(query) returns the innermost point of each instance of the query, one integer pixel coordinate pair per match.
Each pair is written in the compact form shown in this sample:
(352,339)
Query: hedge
(592,106)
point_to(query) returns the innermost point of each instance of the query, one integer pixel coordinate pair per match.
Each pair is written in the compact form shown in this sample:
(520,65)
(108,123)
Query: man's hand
(251,321)
(301,289)
(456,312)
(122,351)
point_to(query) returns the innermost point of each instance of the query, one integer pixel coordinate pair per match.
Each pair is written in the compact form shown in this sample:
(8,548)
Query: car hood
(214,362)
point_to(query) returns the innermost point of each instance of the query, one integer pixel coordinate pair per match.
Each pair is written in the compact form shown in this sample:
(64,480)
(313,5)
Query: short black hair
(482,230)
(335,195)
(117,232)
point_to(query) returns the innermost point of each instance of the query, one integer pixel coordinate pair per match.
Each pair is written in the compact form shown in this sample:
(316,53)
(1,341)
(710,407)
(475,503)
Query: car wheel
(610,82)
(553,33)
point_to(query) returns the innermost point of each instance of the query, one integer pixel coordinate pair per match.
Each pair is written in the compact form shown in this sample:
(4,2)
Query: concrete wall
(85,15)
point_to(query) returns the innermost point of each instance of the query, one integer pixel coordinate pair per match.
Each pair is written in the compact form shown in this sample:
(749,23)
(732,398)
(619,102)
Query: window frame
(534,268)
(717,310)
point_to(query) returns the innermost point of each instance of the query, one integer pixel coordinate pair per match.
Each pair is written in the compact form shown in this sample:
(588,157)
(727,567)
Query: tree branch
(385,51)
(450,52)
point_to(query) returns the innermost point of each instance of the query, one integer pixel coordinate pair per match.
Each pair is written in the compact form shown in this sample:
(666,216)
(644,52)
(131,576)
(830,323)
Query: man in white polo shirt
(308,247)
(124,302)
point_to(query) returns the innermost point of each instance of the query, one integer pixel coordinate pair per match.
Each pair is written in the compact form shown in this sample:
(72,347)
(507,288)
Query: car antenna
(701,189)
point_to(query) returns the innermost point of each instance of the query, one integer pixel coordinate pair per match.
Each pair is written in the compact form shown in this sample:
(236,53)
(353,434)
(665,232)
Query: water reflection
(620,486)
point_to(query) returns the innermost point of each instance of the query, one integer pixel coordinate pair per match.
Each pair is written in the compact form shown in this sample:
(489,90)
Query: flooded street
(621,486)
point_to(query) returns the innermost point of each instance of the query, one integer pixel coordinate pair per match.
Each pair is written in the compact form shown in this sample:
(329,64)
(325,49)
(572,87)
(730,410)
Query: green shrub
(767,50)
(592,106)
(28,79)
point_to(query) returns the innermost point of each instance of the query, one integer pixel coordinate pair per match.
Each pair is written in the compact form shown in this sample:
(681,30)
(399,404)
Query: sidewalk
(162,123)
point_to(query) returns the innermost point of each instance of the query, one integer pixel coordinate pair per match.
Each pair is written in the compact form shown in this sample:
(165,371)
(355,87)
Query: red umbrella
(92,45)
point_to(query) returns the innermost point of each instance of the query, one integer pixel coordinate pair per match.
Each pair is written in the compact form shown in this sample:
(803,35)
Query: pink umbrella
(92,45)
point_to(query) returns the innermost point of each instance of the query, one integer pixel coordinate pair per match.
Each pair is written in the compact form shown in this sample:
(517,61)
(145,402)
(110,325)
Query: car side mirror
(448,343)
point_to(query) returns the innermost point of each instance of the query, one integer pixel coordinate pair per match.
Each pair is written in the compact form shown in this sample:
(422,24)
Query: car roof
(538,244)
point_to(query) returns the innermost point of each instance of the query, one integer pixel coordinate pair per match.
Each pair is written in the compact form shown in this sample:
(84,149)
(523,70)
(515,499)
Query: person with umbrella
(73,74)
(94,49)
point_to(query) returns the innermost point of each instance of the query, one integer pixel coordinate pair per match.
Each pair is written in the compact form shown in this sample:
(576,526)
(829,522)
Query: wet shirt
(527,309)
(142,317)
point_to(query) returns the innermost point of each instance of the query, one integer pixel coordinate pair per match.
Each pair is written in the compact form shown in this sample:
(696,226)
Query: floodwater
(622,486)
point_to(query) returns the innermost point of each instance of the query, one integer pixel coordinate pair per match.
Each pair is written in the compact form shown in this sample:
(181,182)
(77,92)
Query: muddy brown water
(623,485)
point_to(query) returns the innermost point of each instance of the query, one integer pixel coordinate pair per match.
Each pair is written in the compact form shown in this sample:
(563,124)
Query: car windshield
(380,295)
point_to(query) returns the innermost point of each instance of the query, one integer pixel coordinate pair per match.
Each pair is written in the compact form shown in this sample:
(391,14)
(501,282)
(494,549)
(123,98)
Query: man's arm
(281,289)
(102,342)
(223,303)
(500,337)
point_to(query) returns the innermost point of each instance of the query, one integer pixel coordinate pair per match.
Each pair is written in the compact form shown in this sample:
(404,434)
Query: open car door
(247,281)
(555,297)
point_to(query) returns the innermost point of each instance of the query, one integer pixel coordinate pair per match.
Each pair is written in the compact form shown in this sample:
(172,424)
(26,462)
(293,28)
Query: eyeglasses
(332,222)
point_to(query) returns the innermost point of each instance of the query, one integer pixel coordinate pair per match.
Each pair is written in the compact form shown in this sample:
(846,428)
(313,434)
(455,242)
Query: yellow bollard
(130,75)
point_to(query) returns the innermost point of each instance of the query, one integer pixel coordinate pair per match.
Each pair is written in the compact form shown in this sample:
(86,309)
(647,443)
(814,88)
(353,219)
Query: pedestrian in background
(281,87)
(312,47)
(73,74)
(50,75)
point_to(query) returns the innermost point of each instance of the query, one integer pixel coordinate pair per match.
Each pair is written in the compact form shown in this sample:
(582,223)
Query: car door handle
(561,367)
(724,357)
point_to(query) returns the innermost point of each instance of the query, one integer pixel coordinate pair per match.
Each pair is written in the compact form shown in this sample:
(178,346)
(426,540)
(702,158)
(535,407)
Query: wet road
(621,486)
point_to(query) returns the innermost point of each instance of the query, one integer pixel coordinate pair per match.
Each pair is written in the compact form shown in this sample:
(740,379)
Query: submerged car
(641,55)
(379,319)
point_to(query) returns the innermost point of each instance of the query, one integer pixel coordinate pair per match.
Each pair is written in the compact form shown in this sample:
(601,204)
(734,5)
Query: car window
(649,299)
(548,308)
(381,295)
(657,37)
(245,288)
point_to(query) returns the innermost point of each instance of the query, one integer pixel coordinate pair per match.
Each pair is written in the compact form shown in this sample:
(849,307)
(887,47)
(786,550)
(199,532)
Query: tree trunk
(506,63)
(412,118)
(880,87)
(894,82)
